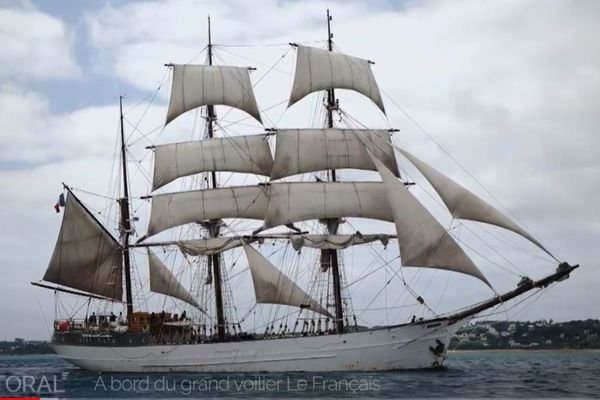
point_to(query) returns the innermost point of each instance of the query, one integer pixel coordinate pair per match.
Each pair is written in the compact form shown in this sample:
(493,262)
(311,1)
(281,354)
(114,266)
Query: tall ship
(245,266)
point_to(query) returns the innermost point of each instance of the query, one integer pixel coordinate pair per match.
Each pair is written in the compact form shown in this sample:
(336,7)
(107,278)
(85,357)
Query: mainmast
(333,224)
(214,228)
(125,226)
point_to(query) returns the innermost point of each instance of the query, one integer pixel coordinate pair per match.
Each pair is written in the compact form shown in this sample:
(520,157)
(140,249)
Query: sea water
(539,374)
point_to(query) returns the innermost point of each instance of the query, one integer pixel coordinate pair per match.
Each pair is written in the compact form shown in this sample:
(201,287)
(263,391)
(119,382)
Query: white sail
(422,240)
(301,201)
(335,242)
(463,204)
(318,70)
(164,282)
(202,85)
(306,150)
(174,209)
(86,256)
(271,286)
(210,246)
(247,154)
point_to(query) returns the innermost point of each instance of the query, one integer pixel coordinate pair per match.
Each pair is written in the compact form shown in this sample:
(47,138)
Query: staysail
(422,240)
(246,154)
(202,85)
(307,150)
(174,209)
(271,286)
(463,203)
(301,201)
(86,256)
(318,70)
(164,282)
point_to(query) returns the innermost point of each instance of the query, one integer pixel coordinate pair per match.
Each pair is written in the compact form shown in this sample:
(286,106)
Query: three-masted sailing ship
(299,203)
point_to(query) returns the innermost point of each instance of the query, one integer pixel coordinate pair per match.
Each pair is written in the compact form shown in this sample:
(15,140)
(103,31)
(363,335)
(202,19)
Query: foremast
(331,255)
(125,225)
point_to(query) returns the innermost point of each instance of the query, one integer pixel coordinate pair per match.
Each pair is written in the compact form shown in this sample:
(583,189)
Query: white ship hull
(394,348)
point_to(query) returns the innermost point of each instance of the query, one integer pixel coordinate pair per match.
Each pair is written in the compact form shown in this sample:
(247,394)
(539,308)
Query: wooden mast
(125,225)
(332,225)
(214,259)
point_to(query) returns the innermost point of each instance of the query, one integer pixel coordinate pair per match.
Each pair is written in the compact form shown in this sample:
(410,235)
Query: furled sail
(335,242)
(301,201)
(164,282)
(318,70)
(247,154)
(174,209)
(306,150)
(209,246)
(422,240)
(86,256)
(271,286)
(463,204)
(203,85)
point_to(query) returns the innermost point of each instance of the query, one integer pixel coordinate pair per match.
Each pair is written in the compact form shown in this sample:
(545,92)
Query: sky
(501,96)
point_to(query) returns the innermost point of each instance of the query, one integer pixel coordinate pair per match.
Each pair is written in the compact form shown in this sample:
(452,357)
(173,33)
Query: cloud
(34,44)
(33,135)
(135,40)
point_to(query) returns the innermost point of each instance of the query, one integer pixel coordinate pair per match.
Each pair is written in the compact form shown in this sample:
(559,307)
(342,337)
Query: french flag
(60,203)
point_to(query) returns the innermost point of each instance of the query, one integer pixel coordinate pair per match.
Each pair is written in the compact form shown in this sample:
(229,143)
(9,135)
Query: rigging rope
(267,44)
(411,119)
(442,206)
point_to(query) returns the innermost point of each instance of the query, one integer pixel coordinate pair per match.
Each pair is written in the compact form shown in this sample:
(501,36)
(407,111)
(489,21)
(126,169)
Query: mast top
(331,100)
(329,34)
(209,43)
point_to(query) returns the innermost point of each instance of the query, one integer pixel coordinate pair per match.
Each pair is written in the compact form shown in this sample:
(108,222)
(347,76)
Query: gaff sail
(86,256)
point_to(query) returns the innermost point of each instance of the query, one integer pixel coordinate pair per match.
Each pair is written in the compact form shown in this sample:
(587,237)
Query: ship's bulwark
(411,346)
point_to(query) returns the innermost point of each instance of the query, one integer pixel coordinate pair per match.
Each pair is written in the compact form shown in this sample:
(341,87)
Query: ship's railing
(92,323)
(165,330)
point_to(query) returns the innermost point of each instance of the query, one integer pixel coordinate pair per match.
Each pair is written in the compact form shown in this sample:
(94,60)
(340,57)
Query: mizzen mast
(330,255)
(125,225)
(214,263)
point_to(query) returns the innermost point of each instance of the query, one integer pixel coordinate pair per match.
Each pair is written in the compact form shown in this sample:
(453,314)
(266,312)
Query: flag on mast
(60,202)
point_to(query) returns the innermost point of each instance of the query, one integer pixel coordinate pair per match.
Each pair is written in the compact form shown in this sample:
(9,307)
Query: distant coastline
(480,336)
(530,335)
(21,346)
